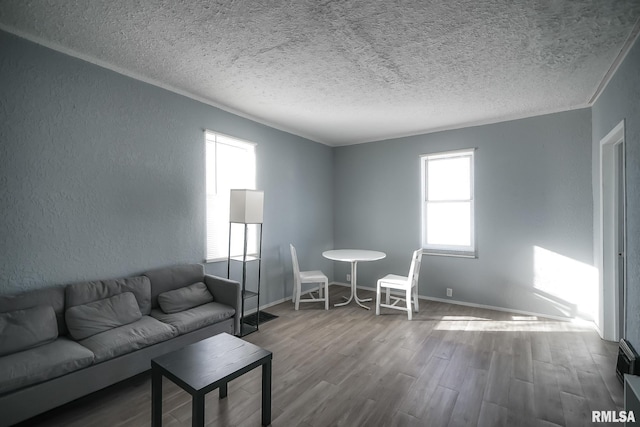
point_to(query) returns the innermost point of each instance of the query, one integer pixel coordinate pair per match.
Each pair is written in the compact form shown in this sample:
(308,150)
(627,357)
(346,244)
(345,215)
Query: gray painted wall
(102,176)
(533,188)
(621,101)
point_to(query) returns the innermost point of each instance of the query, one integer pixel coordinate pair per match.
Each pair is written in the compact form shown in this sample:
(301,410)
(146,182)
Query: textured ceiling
(350,71)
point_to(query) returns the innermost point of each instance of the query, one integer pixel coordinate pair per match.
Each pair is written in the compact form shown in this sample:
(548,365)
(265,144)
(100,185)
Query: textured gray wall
(102,176)
(621,100)
(533,188)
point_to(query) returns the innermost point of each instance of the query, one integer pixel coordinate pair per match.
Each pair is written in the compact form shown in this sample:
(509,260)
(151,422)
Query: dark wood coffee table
(206,365)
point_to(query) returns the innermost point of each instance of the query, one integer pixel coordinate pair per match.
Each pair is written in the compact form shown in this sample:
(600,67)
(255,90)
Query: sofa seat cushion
(125,339)
(195,318)
(41,363)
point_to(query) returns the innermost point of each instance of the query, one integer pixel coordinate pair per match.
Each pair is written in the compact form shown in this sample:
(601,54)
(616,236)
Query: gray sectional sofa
(60,343)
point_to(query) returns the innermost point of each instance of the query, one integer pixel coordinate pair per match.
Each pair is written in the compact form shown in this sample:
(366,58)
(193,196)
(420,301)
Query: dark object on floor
(264,317)
(627,360)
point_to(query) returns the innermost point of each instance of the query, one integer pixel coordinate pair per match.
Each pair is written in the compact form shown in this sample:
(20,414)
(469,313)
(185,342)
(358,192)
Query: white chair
(315,276)
(409,284)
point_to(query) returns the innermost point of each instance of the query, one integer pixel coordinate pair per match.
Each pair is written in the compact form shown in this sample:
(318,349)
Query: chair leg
(297,293)
(409,308)
(415,298)
(326,295)
(388,299)
(378,299)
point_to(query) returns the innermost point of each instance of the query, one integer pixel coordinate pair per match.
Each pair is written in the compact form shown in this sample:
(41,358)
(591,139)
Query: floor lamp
(246,207)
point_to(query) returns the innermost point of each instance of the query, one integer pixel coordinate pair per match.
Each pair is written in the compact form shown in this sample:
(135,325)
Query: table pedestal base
(354,293)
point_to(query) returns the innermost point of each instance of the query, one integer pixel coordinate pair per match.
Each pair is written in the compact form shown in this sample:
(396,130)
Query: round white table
(353,256)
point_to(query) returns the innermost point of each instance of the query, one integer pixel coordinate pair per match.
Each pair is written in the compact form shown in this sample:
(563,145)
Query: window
(230,164)
(448,203)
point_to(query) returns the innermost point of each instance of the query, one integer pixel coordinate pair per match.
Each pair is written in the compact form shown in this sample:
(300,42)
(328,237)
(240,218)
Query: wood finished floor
(450,366)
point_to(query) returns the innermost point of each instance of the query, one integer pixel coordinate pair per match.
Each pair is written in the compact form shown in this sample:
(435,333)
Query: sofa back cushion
(52,296)
(86,292)
(184,298)
(27,328)
(89,319)
(170,278)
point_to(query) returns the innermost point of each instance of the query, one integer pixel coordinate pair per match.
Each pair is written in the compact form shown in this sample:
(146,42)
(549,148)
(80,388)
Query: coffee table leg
(266,393)
(156,398)
(197,410)
(223,390)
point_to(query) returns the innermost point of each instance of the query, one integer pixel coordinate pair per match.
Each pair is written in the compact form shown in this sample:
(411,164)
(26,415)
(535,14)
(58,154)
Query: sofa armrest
(227,292)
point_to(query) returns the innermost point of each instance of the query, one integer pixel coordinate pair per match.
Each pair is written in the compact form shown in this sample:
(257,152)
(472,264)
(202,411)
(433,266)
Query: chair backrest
(414,270)
(294,261)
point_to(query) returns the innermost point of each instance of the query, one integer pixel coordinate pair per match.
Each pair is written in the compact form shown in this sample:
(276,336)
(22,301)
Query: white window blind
(230,164)
(448,202)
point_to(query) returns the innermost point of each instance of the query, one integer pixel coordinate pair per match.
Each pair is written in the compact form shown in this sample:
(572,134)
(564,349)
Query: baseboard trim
(455,302)
(487,307)
(502,309)
(265,306)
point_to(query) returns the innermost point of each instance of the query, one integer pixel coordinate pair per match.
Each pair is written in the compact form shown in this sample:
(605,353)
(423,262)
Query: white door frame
(611,305)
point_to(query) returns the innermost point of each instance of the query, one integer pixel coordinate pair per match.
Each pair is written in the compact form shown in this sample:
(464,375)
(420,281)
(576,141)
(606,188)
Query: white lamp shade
(246,206)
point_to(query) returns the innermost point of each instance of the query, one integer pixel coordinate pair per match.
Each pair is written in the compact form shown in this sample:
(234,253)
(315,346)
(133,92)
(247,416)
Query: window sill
(250,255)
(431,252)
(212,261)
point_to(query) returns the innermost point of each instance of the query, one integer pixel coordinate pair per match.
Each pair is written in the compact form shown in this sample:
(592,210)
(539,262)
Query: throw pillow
(24,329)
(184,298)
(89,319)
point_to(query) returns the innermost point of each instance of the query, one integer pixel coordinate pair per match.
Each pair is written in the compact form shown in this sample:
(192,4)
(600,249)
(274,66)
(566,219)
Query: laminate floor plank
(414,338)
(492,415)
(547,393)
(523,369)
(499,378)
(596,392)
(299,408)
(421,357)
(576,410)
(566,373)
(470,397)
(418,396)
(540,349)
(456,372)
(386,354)
(334,407)
(483,346)
(440,407)
(610,379)
(389,394)
(400,419)
(595,345)
(356,415)
(581,358)
(521,398)
(448,334)
(451,365)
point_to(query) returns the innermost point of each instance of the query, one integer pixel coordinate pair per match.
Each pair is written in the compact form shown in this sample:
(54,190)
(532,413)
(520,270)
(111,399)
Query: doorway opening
(612,235)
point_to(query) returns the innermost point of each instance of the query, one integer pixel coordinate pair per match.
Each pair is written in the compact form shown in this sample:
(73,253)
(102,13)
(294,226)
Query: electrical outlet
(449,292)
(348,278)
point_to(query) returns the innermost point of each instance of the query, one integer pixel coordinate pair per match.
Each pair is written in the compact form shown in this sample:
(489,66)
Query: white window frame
(217,198)
(443,249)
